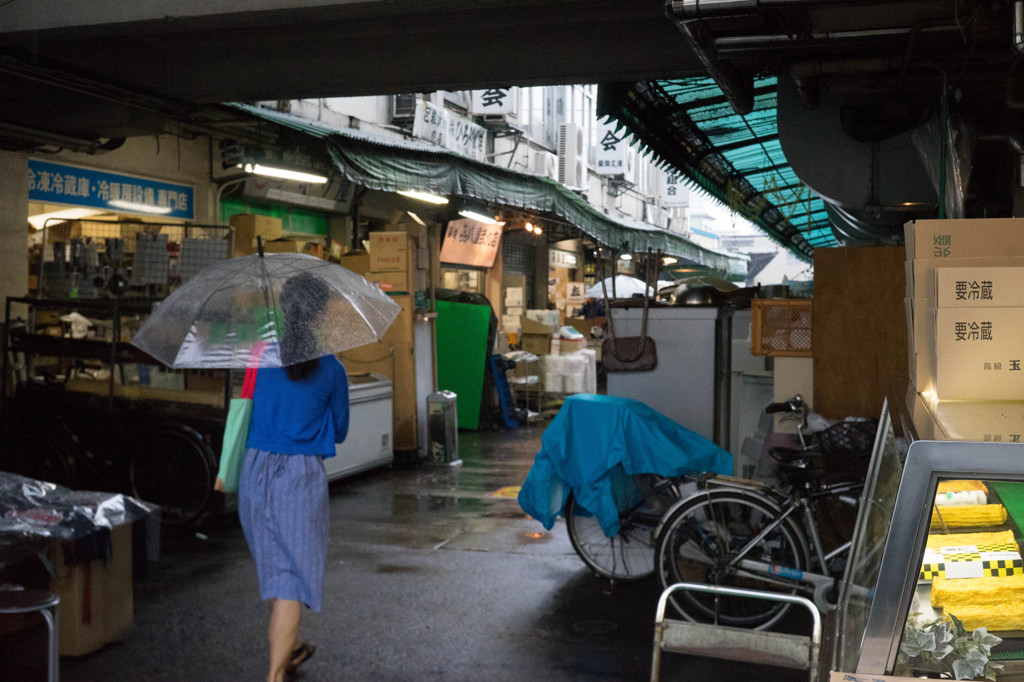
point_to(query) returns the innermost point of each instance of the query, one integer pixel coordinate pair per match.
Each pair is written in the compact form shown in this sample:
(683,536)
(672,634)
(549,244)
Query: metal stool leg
(53,674)
(45,603)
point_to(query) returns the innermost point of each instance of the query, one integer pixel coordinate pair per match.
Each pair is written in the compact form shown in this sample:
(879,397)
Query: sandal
(302,654)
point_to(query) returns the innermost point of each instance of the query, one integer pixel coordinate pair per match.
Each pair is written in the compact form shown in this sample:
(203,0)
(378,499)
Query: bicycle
(628,556)
(750,534)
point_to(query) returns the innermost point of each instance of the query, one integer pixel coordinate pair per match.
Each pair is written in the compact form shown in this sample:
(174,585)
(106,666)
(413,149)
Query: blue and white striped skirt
(282,504)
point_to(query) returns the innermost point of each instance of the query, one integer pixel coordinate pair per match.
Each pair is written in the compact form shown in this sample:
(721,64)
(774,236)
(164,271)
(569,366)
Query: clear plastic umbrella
(297,306)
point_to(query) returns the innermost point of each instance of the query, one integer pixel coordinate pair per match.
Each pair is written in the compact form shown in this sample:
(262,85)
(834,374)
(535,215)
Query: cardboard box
(921,343)
(531,326)
(924,421)
(566,346)
(967,238)
(514,297)
(357,261)
(966,287)
(294,246)
(390,251)
(397,281)
(248,226)
(416,232)
(538,344)
(979,353)
(585,325)
(921,272)
(96,599)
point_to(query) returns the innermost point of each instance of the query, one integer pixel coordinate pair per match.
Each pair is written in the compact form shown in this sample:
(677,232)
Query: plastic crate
(781,327)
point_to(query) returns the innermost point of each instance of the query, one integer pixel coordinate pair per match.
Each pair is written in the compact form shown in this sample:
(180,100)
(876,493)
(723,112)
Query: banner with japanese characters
(469,242)
(494,101)
(610,155)
(673,191)
(449,130)
(58,183)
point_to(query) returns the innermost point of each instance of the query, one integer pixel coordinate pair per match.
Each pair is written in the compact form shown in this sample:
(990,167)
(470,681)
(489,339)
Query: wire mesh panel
(90,259)
(781,328)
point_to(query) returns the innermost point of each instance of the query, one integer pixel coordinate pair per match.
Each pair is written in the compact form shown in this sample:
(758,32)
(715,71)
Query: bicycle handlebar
(794,404)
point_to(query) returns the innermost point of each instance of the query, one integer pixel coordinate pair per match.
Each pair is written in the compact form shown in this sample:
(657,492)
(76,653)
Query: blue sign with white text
(57,183)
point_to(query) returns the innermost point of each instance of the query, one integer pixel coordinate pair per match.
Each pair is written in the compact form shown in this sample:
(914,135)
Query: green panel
(462,356)
(292,219)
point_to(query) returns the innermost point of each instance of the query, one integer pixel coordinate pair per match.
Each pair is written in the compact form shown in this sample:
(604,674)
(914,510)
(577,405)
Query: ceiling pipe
(738,90)
(41,138)
(1018,26)
(696,9)
(736,46)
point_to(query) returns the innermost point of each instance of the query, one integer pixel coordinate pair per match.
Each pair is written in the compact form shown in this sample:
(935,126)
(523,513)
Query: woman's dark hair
(303,300)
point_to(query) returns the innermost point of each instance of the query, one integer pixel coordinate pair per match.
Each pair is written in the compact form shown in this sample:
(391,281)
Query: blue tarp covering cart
(594,436)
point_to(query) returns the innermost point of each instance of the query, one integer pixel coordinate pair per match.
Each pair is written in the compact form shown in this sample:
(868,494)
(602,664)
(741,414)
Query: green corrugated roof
(690,127)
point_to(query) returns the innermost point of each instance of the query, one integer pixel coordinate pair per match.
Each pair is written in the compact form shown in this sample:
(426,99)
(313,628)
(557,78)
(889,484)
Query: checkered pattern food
(993,561)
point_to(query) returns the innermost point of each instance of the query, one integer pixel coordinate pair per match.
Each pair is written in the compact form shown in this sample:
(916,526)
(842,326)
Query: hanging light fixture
(479,217)
(669,260)
(284,173)
(424,196)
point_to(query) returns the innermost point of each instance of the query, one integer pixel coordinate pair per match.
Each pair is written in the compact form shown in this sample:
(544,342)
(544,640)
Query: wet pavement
(433,573)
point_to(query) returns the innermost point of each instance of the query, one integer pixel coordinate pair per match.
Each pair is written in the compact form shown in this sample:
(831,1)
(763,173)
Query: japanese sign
(611,152)
(562,259)
(575,293)
(469,242)
(494,101)
(673,192)
(449,130)
(58,183)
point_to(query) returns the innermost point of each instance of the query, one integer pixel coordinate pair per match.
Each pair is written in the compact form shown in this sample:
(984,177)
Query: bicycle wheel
(174,468)
(697,541)
(629,555)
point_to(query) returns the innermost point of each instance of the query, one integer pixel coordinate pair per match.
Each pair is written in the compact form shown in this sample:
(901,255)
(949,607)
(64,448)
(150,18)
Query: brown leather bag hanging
(630,353)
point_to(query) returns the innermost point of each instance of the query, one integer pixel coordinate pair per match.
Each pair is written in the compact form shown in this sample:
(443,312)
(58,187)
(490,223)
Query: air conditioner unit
(403,107)
(544,163)
(572,155)
(629,173)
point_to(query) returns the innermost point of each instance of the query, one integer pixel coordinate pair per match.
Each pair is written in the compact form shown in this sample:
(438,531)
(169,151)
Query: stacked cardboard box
(397,261)
(965,315)
(248,226)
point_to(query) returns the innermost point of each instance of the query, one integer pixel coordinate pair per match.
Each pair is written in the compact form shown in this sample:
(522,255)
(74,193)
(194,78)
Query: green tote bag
(236,432)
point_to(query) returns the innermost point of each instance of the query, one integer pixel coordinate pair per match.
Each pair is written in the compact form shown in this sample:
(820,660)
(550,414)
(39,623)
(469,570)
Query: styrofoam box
(991,422)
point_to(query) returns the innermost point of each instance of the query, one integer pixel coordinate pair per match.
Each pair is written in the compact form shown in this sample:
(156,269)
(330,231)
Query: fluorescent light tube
(284,173)
(424,196)
(479,217)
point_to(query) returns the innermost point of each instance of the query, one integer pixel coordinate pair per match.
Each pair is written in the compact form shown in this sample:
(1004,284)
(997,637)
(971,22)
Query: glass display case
(935,585)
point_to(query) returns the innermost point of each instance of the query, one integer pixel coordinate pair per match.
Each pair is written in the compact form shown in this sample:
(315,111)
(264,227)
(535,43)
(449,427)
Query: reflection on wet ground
(434,573)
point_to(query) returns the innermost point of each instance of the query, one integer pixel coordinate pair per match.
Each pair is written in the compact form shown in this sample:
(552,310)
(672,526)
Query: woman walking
(299,412)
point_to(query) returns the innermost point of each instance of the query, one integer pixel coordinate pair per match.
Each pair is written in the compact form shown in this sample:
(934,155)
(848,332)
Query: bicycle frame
(817,584)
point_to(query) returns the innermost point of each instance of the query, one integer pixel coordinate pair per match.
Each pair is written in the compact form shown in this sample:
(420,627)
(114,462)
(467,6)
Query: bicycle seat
(781,453)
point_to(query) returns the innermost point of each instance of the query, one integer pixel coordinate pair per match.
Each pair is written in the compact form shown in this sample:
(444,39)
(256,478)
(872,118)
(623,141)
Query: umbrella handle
(259,245)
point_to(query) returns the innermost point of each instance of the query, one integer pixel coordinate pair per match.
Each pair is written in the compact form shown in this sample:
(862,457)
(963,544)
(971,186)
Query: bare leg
(283,634)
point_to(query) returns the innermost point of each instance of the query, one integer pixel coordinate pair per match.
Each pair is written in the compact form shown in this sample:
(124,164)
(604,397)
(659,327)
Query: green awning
(689,126)
(393,164)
